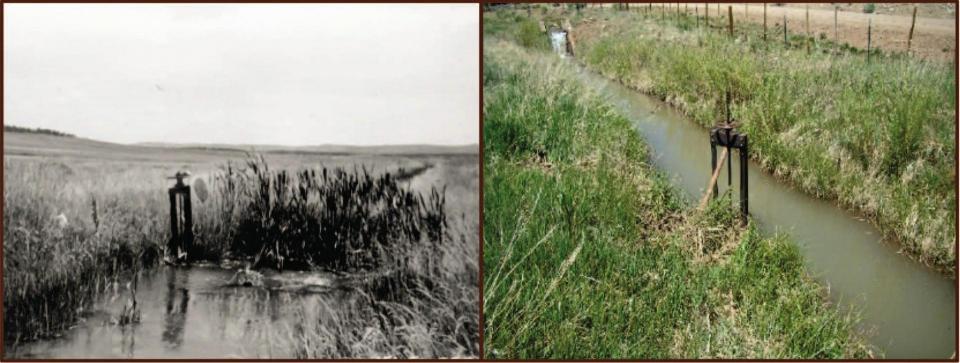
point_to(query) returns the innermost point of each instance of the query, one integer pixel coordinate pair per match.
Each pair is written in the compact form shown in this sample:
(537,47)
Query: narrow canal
(907,310)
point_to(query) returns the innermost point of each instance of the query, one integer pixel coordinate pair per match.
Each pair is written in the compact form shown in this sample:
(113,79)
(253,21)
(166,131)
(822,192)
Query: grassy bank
(418,250)
(876,136)
(588,253)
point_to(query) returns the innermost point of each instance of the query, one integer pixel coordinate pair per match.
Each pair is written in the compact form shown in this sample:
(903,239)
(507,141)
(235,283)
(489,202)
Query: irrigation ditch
(907,310)
(315,263)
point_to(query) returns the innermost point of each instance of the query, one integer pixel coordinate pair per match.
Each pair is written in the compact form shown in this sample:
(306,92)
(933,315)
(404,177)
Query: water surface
(195,312)
(907,310)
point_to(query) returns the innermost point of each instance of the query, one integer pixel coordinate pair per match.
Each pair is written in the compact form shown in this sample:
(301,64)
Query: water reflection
(178,298)
(128,340)
(225,321)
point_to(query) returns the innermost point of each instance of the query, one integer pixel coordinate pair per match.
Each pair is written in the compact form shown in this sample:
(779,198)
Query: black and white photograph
(241,181)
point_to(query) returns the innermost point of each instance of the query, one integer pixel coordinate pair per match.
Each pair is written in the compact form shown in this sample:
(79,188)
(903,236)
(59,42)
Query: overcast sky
(290,74)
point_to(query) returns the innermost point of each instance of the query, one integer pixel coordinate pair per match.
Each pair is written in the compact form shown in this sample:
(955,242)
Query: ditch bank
(907,310)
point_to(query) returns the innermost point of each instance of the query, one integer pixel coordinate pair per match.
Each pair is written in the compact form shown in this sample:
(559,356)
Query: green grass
(876,136)
(589,253)
(413,239)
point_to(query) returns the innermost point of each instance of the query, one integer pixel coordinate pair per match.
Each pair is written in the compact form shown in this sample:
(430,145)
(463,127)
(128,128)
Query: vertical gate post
(174,216)
(181,219)
(744,189)
(729,165)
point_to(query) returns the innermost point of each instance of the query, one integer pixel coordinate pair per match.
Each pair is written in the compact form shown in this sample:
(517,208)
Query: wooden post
(730,16)
(764,21)
(913,23)
(712,186)
(785,42)
(869,25)
(696,15)
(713,166)
(809,39)
(706,14)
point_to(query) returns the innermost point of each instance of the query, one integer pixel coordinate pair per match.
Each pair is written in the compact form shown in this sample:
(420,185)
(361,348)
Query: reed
(401,246)
(342,220)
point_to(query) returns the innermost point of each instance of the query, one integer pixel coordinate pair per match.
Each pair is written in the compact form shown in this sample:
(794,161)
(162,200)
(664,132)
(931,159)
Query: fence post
(730,16)
(809,38)
(764,21)
(869,26)
(912,24)
(785,42)
(706,14)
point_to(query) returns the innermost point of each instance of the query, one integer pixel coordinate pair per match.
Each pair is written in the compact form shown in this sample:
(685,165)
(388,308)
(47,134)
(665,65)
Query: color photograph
(720,181)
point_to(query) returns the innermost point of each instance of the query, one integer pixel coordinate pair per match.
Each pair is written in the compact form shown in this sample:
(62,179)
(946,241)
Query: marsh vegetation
(399,237)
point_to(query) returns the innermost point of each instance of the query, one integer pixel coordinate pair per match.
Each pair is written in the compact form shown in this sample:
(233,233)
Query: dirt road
(933,38)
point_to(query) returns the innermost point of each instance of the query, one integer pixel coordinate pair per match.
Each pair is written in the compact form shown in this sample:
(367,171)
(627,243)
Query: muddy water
(196,313)
(907,310)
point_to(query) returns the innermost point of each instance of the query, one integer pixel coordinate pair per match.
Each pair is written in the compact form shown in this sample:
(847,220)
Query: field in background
(115,218)
(934,36)
(589,253)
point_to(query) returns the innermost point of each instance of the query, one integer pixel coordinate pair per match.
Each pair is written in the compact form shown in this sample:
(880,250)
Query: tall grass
(332,218)
(877,136)
(589,253)
(52,271)
(414,266)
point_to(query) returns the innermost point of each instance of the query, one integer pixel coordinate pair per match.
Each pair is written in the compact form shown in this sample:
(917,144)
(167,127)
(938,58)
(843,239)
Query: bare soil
(933,38)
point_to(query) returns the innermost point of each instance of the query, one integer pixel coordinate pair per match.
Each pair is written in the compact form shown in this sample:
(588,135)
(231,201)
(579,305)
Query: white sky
(290,74)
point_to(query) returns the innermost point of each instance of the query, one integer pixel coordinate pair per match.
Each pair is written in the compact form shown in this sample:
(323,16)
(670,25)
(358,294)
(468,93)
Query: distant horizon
(163,143)
(269,74)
